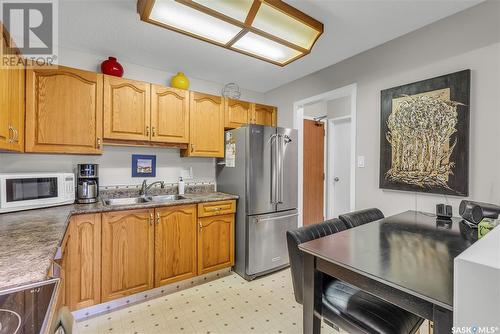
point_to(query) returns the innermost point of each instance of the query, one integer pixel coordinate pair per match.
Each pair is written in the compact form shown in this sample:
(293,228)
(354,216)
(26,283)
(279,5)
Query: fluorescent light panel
(193,21)
(281,25)
(236,9)
(278,33)
(265,48)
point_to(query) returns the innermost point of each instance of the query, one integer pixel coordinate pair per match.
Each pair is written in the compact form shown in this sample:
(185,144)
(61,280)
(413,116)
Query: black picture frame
(458,84)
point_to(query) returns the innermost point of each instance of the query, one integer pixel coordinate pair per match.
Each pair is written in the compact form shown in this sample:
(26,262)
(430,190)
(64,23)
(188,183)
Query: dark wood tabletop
(411,251)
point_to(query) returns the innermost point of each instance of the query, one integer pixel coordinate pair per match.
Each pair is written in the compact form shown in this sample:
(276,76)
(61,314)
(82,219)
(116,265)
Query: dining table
(405,259)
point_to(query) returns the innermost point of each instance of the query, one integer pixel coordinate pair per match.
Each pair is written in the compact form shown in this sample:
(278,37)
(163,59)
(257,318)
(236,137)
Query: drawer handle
(147,130)
(151,219)
(157,218)
(200,225)
(154,131)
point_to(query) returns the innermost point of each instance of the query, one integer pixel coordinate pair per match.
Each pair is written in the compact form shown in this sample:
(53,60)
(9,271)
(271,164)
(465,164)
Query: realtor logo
(32,26)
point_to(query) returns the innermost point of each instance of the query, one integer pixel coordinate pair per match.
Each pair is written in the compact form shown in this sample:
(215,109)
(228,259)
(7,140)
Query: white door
(340,166)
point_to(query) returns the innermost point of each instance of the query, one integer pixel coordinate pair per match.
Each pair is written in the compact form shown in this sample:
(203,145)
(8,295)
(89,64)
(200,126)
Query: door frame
(330,169)
(298,119)
(325,164)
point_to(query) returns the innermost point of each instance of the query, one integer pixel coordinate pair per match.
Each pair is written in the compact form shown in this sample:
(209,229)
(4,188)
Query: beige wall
(467,40)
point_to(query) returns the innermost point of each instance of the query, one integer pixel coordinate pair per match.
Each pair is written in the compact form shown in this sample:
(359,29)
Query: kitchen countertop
(29,239)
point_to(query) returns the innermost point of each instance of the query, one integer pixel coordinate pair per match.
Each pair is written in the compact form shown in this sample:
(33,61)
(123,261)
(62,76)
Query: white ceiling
(351,27)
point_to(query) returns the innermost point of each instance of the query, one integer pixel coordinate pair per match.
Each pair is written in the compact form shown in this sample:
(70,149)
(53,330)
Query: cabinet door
(175,244)
(12,104)
(126,109)
(215,243)
(263,115)
(127,253)
(206,115)
(82,261)
(63,111)
(169,115)
(236,113)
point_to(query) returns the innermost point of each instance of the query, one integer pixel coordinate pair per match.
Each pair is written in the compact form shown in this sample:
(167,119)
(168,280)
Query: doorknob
(336,179)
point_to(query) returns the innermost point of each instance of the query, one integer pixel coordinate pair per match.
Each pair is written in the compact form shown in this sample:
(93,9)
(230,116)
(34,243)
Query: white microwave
(35,190)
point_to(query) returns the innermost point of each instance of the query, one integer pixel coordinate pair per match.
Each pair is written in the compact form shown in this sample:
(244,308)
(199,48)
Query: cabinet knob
(200,225)
(99,143)
(153,129)
(147,130)
(151,219)
(157,218)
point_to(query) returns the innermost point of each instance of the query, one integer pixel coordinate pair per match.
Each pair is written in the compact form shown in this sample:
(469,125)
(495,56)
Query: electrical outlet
(187,173)
(361,161)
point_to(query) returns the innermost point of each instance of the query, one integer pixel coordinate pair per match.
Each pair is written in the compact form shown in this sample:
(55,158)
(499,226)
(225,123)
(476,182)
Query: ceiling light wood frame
(145,7)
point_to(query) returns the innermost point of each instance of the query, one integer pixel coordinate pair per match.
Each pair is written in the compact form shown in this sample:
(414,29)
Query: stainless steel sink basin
(127,200)
(166,198)
(139,200)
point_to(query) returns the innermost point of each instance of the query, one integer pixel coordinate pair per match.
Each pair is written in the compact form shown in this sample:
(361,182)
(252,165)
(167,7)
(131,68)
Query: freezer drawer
(266,243)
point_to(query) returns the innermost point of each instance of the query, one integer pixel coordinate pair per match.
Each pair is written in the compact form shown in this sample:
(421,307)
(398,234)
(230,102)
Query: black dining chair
(345,306)
(361,217)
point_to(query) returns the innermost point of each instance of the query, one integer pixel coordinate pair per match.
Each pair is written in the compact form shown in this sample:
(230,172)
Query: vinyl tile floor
(229,305)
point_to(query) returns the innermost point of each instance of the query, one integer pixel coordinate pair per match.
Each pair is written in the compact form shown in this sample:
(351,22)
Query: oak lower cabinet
(206,130)
(236,113)
(63,111)
(175,244)
(215,237)
(127,253)
(82,262)
(169,115)
(127,109)
(263,115)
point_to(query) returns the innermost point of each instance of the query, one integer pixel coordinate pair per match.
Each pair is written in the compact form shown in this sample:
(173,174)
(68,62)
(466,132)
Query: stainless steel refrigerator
(260,166)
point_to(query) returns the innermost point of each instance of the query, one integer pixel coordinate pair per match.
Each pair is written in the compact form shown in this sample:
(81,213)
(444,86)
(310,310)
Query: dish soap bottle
(181,186)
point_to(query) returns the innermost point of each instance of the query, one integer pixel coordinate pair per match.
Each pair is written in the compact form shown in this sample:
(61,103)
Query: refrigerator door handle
(281,153)
(275,218)
(274,176)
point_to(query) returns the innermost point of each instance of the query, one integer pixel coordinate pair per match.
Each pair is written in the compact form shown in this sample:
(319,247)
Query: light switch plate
(361,161)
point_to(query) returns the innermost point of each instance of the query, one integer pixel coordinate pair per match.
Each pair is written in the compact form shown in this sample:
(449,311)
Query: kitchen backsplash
(115,165)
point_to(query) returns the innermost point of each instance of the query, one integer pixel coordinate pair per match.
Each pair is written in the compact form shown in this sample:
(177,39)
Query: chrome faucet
(145,188)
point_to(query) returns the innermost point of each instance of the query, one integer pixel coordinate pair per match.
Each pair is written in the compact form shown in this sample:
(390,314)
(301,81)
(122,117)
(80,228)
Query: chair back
(303,234)
(361,217)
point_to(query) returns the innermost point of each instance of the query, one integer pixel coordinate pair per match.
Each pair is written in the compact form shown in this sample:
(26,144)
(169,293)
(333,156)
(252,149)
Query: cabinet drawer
(216,208)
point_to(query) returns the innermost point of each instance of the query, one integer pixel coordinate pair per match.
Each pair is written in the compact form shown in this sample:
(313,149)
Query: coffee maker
(87,183)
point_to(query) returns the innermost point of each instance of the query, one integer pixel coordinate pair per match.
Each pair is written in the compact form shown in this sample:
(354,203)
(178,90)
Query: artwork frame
(424,136)
(143,165)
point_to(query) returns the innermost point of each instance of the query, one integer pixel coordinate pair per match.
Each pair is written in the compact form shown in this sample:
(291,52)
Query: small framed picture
(143,165)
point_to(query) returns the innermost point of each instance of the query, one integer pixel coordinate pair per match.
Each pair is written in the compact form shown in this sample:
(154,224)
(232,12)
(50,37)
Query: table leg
(312,293)
(443,320)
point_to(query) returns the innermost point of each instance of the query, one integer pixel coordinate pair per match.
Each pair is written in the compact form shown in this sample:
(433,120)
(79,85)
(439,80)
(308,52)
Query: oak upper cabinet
(127,253)
(63,111)
(206,126)
(175,244)
(263,115)
(127,109)
(215,235)
(12,108)
(169,115)
(82,262)
(12,104)
(236,113)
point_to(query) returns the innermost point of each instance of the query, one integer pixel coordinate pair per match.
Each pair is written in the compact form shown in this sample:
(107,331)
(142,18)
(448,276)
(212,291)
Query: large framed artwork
(424,138)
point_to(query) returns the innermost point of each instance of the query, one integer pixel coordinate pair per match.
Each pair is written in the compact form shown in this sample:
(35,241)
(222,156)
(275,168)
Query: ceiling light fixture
(270,30)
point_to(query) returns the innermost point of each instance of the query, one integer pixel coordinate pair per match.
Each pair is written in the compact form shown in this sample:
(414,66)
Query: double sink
(143,199)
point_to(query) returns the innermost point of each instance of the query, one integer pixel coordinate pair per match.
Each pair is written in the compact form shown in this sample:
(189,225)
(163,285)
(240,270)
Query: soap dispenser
(181,186)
